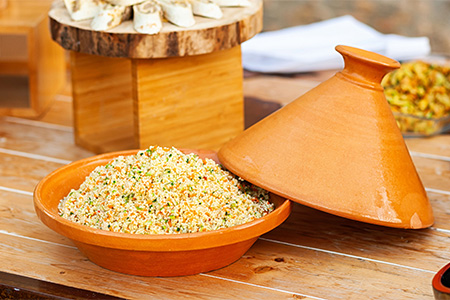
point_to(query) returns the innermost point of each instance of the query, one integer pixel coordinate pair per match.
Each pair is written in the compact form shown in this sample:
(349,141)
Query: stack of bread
(148,15)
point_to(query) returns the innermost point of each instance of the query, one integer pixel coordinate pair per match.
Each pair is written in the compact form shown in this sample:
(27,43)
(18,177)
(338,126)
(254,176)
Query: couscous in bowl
(148,255)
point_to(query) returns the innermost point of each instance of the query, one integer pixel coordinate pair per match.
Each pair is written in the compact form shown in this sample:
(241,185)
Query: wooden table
(313,255)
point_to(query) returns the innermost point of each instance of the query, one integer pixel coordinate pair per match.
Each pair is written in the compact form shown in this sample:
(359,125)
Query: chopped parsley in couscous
(162,190)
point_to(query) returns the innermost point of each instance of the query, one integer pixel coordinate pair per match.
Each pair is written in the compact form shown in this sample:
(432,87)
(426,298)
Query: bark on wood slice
(208,35)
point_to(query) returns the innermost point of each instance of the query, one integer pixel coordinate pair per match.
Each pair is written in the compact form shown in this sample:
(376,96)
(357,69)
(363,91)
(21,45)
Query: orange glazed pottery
(148,255)
(337,148)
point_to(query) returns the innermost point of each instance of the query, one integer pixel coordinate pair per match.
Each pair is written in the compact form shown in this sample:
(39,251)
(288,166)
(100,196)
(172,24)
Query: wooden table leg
(189,102)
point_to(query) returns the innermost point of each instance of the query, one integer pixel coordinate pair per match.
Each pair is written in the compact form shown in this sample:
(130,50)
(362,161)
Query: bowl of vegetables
(419,96)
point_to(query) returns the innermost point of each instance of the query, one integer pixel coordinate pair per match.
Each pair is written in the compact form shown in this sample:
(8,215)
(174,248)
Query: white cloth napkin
(311,47)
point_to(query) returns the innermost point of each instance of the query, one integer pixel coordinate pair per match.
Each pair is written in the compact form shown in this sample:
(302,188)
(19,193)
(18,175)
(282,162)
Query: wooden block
(49,64)
(186,102)
(103,107)
(28,57)
(189,102)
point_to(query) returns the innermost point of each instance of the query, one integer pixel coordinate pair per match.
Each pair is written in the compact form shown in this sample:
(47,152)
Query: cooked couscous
(162,190)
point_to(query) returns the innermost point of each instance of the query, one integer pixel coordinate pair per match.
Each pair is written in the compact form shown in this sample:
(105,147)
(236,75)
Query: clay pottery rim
(47,212)
(440,290)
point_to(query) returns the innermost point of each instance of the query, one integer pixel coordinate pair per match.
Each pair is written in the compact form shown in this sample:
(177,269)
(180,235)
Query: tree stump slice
(237,25)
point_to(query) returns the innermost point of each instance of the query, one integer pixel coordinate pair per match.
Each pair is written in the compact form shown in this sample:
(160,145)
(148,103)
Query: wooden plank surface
(302,243)
(40,138)
(313,255)
(37,258)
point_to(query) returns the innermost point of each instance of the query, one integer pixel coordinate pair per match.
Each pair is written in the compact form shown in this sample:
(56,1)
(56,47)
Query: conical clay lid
(337,149)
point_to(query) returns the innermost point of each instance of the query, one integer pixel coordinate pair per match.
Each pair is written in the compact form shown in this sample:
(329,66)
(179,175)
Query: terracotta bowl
(441,283)
(148,255)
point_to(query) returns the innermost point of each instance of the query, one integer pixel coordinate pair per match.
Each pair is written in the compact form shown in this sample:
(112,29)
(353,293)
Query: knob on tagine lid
(338,149)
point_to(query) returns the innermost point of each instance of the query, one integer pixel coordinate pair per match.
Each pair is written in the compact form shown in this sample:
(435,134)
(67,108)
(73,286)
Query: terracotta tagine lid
(338,149)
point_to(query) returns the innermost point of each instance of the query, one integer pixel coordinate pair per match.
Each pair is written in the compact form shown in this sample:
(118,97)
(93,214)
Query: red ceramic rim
(437,280)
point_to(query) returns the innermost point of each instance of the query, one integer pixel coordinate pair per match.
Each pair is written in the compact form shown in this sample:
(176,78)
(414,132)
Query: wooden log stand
(181,87)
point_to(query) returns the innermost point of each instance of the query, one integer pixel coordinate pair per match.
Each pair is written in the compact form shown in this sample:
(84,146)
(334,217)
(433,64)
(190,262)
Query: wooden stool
(181,87)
